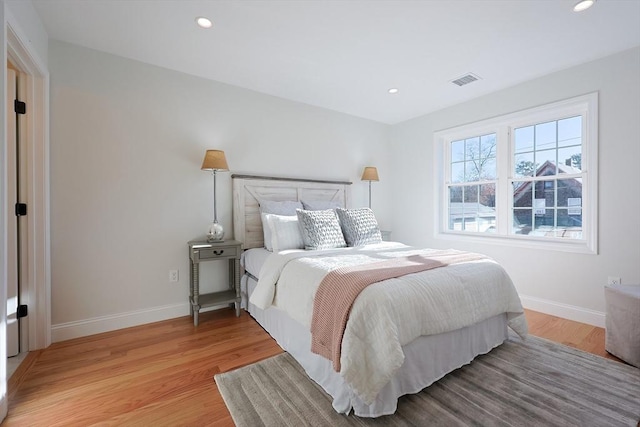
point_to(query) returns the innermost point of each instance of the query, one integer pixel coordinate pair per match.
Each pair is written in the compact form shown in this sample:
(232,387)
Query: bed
(392,344)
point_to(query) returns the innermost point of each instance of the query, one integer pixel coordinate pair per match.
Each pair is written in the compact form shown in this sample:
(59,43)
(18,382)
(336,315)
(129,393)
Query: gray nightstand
(200,251)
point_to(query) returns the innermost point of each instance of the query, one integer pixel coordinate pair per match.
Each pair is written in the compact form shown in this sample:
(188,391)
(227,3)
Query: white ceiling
(345,55)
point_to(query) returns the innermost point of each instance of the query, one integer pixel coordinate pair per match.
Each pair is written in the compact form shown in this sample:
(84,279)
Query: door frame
(16,45)
(3,222)
(12,236)
(38,259)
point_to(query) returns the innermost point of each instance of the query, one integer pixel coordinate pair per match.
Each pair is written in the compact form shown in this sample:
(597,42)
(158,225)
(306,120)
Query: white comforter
(392,313)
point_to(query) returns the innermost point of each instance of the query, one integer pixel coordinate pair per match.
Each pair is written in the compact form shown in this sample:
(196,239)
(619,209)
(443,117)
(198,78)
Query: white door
(13,332)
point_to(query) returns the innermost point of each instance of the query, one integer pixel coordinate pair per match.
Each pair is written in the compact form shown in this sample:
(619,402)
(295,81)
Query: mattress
(427,359)
(253,259)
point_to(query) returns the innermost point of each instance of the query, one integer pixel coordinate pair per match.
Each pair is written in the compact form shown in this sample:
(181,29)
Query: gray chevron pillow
(359,226)
(320,229)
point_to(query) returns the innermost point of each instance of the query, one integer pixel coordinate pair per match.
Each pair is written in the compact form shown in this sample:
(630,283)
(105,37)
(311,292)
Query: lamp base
(216,233)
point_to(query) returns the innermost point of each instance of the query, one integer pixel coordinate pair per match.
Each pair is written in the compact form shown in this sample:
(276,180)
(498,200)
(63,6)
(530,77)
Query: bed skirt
(427,359)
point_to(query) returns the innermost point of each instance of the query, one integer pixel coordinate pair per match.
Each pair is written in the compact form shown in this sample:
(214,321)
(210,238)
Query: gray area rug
(530,383)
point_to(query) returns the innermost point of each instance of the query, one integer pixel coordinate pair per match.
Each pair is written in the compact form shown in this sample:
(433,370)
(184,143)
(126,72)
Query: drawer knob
(220,252)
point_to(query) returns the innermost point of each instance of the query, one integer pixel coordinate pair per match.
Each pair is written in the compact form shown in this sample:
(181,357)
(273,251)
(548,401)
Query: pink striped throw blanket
(339,289)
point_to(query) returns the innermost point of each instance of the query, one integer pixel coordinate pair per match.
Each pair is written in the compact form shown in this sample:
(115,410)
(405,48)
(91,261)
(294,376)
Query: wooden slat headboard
(250,190)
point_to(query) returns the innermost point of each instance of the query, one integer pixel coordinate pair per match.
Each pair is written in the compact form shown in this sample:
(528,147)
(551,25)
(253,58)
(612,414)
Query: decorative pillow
(320,205)
(285,232)
(287,207)
(320,229)
(359,226)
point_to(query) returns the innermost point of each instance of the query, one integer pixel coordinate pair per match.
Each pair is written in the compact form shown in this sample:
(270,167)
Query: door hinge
(21,209)
(20,107)
(23,311)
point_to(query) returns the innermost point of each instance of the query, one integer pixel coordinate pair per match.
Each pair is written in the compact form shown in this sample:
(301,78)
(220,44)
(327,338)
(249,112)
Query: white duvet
(391,313)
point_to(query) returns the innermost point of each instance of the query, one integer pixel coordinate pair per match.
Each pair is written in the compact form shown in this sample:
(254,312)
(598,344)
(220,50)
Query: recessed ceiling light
(583,5)
(204,22)
(393,90)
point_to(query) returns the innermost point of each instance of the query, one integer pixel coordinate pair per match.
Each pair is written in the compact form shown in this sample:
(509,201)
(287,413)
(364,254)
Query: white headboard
(249,190)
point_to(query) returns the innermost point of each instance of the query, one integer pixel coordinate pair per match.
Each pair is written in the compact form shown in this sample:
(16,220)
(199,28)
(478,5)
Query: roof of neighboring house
(546,166)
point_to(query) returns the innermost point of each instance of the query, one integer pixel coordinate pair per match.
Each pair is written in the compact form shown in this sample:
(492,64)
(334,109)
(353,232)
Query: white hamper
(622,335)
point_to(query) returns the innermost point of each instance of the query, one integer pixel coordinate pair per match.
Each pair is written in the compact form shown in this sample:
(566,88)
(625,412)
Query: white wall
(127,192)
(26,22)
(567,284)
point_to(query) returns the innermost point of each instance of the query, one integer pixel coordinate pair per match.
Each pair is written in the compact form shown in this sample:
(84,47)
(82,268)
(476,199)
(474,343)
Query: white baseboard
(566,311)
(97,325)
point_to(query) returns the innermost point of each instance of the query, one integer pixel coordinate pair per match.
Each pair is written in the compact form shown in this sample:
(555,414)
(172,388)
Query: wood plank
(162,373)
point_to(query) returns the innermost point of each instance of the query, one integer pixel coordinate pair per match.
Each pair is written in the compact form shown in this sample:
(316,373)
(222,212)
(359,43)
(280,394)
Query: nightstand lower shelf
(216,298)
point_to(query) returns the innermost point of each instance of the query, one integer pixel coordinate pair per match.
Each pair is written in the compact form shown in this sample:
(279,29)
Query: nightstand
(201,251)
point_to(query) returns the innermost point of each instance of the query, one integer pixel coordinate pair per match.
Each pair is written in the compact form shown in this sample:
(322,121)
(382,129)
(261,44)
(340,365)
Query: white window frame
(503,126)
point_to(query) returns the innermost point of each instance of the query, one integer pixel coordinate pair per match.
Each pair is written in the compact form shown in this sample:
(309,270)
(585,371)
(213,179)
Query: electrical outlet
(173,275)
(613,280)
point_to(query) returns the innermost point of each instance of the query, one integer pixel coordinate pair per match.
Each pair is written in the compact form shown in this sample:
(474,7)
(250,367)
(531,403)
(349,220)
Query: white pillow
(286,207)
(285,232)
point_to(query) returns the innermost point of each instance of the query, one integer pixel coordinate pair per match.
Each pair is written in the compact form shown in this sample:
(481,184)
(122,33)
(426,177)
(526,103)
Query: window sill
(546,244)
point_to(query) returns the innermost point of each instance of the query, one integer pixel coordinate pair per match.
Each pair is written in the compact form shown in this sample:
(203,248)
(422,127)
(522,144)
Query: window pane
(522,221)
(524,165)
(488,146)
(455,208)
(569,224)
(570,193)
(545,136)
(570,131)
(471,194)
(546,162)
(472,171)
(457,172)
(455,195)
(524,139)
(522,194)
(545,223)
(488,197)
(472,148)
(570,218)
(570,160)
(457,151)
(544,194)
(487,209)
(489,169)
(470,208)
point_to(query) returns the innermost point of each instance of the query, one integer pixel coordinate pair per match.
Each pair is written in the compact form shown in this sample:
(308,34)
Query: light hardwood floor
(161,374)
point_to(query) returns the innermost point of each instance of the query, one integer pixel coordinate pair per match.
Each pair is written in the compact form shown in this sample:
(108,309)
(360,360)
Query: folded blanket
(340,287)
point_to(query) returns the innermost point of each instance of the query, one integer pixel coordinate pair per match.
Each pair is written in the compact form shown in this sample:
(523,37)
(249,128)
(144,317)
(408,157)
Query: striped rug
(530,383)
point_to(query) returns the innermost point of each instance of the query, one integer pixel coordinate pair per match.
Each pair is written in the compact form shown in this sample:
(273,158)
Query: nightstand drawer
(226,252)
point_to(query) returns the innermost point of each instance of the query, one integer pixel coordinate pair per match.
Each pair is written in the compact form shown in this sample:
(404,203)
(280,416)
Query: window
(547,166)
(472,188)
(528,178)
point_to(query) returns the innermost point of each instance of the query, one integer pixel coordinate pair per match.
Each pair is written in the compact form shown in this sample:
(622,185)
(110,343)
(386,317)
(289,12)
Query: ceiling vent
(465,80)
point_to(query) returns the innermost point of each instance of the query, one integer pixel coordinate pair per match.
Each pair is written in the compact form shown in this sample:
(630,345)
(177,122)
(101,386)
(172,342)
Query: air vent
(465,80)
